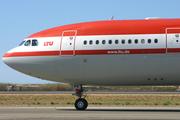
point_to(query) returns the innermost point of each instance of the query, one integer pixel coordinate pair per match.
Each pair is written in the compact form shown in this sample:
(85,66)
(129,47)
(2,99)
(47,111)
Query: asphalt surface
(69,113)
(89,92)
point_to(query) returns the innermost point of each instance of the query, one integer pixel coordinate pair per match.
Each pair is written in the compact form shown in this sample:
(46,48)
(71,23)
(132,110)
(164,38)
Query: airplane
(142,52)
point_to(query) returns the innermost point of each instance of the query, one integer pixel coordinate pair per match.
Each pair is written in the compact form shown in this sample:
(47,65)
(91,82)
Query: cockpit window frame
(35,44)
(22,43)
(29,44)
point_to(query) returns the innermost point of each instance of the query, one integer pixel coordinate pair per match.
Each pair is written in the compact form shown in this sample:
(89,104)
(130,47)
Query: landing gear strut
(81,103)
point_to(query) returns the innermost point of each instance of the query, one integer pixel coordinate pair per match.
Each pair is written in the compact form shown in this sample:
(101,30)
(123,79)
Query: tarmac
(92,112)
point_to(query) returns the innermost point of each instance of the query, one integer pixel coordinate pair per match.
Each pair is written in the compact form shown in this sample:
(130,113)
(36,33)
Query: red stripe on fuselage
(93,52)
(173,50)
(36,53)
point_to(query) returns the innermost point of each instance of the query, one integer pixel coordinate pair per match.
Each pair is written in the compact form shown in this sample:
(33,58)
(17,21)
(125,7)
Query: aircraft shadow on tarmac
(121,110)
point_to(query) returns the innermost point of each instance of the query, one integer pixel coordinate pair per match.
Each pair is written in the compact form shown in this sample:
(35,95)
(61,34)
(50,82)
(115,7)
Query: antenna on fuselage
(111,18)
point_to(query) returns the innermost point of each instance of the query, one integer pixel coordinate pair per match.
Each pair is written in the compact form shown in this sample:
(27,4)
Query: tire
(81,104)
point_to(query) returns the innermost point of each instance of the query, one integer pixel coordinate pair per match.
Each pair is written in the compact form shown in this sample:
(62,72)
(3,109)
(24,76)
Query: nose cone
(8,60)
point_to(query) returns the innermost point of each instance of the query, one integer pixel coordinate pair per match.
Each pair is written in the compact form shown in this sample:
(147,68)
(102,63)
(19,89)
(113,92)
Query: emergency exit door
(67,46)
(173,40)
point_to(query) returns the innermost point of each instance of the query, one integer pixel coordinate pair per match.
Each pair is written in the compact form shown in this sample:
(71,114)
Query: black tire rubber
(81,104)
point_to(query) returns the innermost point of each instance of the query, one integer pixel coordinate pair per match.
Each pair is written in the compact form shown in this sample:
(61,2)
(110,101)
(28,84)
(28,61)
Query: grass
(52,103)
(167,102)
(96,103)
(93,100)
(70,103)
(38,103)
(176,103)
(127,103)
(155,103)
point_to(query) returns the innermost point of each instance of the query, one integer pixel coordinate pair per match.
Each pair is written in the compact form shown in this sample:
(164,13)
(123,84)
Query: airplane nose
(8,61)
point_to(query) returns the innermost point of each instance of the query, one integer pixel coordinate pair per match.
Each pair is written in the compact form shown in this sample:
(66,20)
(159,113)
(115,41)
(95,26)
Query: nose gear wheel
(81,104)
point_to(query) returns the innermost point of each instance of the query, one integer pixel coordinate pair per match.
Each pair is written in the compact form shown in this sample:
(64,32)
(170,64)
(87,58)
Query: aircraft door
(173,40)
(67,46)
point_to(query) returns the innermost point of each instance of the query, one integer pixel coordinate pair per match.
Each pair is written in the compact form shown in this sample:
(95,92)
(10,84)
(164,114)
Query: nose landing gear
(81,103)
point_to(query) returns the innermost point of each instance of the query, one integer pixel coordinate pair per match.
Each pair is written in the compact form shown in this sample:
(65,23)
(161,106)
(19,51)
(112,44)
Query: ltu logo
(48,43)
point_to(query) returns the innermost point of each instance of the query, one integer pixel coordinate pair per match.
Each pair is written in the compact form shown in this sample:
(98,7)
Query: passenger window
(142,41)
(90,42)
(34,43)
(136,41)
(110,41)
(116,41)
(97,42)
(149,40)
(129,41)
(103,42)
(28,43)
(155,40)
(123,41)
(22,43)
(85,42)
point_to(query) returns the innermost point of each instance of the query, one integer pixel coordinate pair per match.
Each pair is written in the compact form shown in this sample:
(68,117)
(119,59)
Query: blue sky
(21,18)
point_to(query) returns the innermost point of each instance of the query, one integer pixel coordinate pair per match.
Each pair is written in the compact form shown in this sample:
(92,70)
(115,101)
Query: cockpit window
(22,43)
(28,43)
(34,42)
